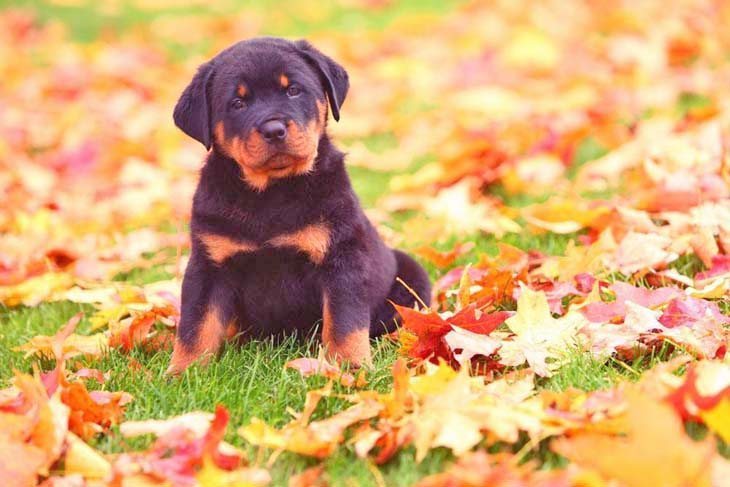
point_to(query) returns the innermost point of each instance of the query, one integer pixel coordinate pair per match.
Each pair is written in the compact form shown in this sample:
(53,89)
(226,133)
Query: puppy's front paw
(183,357)
(352,349)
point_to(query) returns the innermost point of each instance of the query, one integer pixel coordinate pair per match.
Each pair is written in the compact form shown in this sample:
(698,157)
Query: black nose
(273,130)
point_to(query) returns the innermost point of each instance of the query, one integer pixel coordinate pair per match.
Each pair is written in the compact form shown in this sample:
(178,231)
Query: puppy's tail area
(416,278)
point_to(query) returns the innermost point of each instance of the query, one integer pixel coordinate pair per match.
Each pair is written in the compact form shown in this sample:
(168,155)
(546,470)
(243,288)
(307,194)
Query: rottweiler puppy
(279,240)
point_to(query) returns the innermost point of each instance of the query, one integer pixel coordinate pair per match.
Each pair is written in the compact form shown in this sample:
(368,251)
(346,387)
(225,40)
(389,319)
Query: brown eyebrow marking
(241,90)
(313,240)
(284,80)
(220,248)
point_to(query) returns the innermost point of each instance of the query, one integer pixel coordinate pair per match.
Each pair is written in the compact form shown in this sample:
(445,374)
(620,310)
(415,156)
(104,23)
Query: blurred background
(460,114)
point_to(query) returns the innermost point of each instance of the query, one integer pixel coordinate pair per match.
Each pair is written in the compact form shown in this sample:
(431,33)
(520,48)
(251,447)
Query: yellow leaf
(35,290)
(84,460)
(564,215)
(212,476)
(73,345)
(718,419)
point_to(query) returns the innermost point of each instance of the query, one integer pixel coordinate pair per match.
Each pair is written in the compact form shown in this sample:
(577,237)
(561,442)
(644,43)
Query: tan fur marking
(304,142)
(220,248)
(256,180)
(313,240)
(252,153)
(354,348)
(231,330)
(210,338)
(241,91)
(284,81)
(246,153)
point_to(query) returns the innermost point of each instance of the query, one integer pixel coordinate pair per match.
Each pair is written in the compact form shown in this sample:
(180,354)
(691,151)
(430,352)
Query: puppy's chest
(299,224)
(258,237)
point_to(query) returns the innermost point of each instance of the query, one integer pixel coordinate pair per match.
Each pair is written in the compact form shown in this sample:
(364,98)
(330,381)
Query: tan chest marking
(313,240)
(220,248)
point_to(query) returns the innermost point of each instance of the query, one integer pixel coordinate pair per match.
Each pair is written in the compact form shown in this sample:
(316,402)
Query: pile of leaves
(591,136)
(47,417)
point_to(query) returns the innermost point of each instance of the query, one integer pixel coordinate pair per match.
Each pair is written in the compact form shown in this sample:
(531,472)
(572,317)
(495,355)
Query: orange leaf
(92,412)
(655,450)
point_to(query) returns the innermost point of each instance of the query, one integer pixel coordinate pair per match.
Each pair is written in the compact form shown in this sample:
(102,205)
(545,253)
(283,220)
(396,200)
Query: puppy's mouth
(280,162)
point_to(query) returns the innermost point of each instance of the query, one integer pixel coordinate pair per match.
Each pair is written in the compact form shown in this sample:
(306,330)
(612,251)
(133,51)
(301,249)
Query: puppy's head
(263,103)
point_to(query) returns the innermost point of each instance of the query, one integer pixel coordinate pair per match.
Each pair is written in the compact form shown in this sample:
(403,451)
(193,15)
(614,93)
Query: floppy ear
(192,112)
(333,76)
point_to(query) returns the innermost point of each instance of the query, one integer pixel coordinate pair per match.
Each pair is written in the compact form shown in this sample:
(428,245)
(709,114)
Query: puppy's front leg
(207,315)
(346,325)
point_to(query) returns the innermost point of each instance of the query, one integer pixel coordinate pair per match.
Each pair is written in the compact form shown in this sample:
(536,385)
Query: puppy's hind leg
(207,317)
(416,278)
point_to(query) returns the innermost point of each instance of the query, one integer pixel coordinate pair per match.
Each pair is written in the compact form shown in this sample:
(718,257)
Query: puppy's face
(268,112)
(265,106)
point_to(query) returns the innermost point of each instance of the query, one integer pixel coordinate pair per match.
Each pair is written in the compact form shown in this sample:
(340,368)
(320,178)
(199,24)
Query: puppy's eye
(237,104)
(293,91)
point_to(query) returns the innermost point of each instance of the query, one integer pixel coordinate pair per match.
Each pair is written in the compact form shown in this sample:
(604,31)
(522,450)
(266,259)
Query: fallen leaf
(83,460)
(308,367)
(539,339)
(636,458)
(72,345)
(615,311)
(465,344)
(638,251)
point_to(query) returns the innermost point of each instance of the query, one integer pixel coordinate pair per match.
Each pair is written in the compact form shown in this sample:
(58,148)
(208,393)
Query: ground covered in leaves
(560,167)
